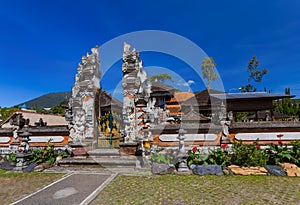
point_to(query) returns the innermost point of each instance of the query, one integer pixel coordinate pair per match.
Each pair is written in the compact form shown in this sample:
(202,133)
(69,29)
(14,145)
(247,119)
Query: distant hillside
(47,101)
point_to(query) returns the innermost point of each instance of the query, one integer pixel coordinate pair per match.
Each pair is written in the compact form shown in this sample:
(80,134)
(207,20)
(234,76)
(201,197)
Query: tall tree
(208,65)
(255,75)
(287,105)
(161,78)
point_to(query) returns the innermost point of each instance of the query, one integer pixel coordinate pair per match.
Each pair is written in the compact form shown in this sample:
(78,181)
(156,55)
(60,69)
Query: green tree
(161,78)
(287,105)
(59,108)
(255,75)
(208,66)
(7,112)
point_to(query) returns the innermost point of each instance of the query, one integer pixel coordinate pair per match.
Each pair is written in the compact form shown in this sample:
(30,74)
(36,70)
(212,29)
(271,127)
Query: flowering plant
(219,156)
(48,154)
(248,154)
(296,152)
(224,146)
(196,157)
(278,153)
(167,157)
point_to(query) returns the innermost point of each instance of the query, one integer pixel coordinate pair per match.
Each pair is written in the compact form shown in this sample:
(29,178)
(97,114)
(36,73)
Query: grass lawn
(194,189)
(14,186)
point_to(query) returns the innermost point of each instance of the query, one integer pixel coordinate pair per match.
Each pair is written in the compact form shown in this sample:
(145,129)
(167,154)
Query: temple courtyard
(145,188)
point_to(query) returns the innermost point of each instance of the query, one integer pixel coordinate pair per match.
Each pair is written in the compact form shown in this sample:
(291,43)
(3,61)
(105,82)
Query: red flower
(194,149)
(280,142)
(257,146)
(20,150)
(168,151)
(224,146)
(280,135)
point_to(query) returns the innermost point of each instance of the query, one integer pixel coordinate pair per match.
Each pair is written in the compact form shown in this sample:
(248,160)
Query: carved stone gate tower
(136,92)
(83,102)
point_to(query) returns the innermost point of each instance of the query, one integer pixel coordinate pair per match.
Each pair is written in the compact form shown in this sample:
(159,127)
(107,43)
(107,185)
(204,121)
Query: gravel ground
(14,186)
(193,189)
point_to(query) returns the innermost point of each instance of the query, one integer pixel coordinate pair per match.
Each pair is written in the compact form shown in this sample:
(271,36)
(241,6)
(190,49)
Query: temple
(150,111)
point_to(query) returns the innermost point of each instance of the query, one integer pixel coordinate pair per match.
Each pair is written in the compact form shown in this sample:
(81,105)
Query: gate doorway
(109,130)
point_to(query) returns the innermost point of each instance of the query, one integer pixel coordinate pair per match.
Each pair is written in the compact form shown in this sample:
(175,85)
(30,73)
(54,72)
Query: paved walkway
(75,188)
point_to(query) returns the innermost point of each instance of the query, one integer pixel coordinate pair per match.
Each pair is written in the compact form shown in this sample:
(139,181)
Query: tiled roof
(250,95)
(174,109)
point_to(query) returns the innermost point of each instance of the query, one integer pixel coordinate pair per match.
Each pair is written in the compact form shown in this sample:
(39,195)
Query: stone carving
(136,89)
(182,156)
(225,120)
(15,134)
(84,92)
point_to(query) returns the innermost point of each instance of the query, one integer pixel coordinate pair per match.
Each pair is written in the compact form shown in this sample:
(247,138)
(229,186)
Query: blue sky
(41,42)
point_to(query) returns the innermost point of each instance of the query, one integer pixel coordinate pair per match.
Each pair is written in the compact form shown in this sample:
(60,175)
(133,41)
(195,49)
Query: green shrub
(219,156)
(296,152)
(248,155)
(196,157)
(48,154)
(165,158)
(278,154)
(12,157)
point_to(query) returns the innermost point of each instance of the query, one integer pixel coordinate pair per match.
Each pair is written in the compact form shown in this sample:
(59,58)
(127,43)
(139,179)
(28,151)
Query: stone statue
(15,133)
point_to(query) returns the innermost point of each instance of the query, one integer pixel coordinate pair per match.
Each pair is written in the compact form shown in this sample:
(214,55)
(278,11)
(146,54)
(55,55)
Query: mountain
(47,101)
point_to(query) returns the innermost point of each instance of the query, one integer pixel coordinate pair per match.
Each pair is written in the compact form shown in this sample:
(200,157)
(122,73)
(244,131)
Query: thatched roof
(194,116)
(50,119)
(201,98)
(181,96)
(106,100)
(158,87)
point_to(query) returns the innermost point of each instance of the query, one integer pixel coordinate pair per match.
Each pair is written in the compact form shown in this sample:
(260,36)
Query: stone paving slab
(76,188)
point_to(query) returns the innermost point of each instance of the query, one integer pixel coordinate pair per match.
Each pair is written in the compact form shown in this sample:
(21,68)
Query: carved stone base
(22,161)
(182,167)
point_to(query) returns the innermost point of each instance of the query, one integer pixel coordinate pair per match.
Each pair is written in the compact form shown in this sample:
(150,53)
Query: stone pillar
(84,93)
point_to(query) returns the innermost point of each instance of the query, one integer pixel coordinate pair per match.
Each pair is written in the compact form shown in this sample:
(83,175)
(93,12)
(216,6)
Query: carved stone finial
(126,47)
(95,50)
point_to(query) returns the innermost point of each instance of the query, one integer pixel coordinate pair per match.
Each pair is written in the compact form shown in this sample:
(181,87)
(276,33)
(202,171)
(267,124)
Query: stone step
(99,161)
(104,153)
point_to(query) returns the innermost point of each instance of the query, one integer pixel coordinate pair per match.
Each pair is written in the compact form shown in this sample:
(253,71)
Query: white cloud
(190,82)
(186,84)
